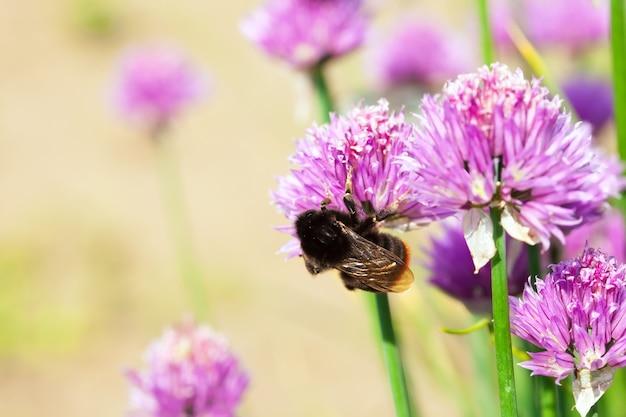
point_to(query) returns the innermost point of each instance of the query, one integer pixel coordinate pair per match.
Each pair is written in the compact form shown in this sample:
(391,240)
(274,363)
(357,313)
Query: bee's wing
(375,266)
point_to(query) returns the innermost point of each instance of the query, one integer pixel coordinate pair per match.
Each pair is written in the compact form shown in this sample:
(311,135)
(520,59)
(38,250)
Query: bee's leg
(392,210)
(326,201)
(383,214)
(348,198)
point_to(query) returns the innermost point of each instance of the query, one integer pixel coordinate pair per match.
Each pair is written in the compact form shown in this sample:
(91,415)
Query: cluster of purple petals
(577,314)
(190,372)
(501,19)
(591,98)
(573,23)
(458,279)
(155,83)
(304,33)
(494,138)
(366,143)
(435,54)
(607,234)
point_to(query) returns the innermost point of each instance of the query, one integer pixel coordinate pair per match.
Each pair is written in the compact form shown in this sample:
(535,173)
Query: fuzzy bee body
(367,259)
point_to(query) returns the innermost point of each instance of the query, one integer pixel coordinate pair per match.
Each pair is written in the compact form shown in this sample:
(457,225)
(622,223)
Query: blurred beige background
(87,273)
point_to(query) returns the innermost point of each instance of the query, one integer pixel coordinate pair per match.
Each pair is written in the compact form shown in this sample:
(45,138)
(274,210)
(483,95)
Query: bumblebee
(366,258)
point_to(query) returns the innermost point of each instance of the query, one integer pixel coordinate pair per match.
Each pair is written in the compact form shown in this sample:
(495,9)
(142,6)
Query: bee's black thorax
(321,238)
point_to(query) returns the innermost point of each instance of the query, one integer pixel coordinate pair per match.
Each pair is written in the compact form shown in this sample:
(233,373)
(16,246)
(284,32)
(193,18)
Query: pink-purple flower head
(494,139)
(154,84)
(607,234)
(577,314)
(190,372)
(572,23)
(501,19)
(591,98)
(435,54)
(304,33)
(365,142)
(457,278)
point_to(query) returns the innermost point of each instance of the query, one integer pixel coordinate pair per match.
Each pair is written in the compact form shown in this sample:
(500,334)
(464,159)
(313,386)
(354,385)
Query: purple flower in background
(154,84)
(572,23)
(591,98)
(607,234)
(494,139)
(578,315)
(365,142)
(458,279)
(305,33)
(434,55)
(190,372)
(500,19)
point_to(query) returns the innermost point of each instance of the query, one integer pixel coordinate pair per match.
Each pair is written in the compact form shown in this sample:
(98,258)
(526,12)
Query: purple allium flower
(190,372)
(578,315)
(365,142)
(591,98)
(572,23)
(154,84)
(434,55)
(305,33)
(458,279)
(494,139)
(606,233)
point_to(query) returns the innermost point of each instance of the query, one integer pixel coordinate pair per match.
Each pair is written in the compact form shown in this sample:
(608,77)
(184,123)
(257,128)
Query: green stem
(180,229)
(324,99)
(618,52)
(382,314)
(486,39)
(501,324)
(548,396)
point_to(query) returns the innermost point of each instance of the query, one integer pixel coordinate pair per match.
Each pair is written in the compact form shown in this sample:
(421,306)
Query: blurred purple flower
(500,19)
(435,54)
(591,98)
(578,315)
(458,279)
(572,23)
(494,139)
(607,234)
(154,84)
(190,372)
(365,141)
(305,33)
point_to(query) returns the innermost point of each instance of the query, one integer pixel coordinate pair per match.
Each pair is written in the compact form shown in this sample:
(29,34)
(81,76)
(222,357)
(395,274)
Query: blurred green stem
(486,39)
(180,228)
(618,54)
(379,303)
(501,324)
